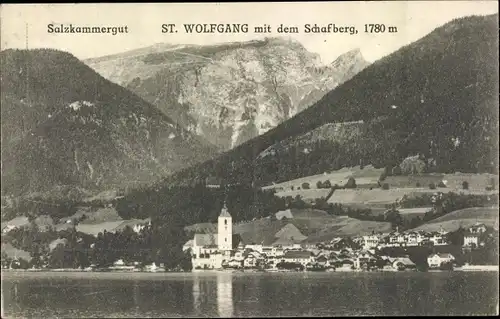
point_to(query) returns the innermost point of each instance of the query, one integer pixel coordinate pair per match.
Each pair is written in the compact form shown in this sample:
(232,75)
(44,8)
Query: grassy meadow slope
(463,218)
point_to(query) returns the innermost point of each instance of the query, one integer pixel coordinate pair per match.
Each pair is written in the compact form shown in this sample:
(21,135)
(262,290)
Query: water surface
(72,295)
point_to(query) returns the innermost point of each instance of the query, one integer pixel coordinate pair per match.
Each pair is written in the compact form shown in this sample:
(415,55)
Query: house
(396,239)
(414,238)
(284,213)
(298,256)
(344,265)
(437,239)
(141,225)
(233,263)
(402,263)
(154,268)
(273,251)
(250,261)
(121,265)
(371,241)
(477,228)
(471,240)
(254,247)
(435,260)
(362,259)
(322,260)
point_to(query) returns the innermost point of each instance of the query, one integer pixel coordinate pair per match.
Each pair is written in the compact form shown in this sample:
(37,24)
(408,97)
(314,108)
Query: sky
(413,19)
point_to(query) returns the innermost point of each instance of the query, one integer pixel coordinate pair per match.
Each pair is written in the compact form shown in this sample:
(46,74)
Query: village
(227,251)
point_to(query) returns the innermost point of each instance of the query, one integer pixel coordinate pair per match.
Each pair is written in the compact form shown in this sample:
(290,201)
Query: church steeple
(224,212)
(225,230)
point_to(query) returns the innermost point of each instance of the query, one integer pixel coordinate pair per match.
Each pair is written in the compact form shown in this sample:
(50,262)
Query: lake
(70,295)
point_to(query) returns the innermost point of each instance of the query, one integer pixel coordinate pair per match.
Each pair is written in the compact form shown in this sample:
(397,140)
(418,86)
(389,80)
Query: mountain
(229,93)
(436,97)
(63,125)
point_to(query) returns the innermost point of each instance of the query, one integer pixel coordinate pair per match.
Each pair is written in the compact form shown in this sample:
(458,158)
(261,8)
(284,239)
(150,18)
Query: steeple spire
(224,212)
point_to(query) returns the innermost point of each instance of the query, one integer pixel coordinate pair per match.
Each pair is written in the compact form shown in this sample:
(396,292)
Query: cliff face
(229,93)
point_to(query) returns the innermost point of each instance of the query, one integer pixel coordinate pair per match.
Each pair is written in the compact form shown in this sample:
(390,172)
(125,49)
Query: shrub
(305,186)
(351,183)
(418,184)
(432,186)
(385,186)
(465,185)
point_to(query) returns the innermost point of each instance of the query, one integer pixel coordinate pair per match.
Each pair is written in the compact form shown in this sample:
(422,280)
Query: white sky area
(414,19)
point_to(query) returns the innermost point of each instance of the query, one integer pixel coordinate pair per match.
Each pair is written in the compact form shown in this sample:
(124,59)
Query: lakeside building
(436,260)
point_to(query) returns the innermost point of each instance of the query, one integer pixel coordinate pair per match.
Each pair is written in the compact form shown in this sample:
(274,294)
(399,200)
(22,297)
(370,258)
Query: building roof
(18,222)
(284,213)
(189,243)
(405,261)
(297,254)
(224,212)
(205,239)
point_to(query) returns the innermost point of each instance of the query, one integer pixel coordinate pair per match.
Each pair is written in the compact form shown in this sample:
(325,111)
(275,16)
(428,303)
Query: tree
(319,184)
(327,184)
(456,237)
(441,184)
(305,186)
(465,185)
(432,186)
(351,183)
(394,217)
(385,186)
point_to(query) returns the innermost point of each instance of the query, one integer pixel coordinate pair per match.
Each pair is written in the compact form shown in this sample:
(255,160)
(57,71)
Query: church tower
(225,230)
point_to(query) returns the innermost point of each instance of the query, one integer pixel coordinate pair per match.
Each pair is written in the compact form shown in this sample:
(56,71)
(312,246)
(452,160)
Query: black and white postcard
(288,159)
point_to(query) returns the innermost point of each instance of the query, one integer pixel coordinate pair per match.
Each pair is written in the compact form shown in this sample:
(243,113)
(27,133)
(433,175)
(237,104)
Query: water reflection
(196,293)
(225,294)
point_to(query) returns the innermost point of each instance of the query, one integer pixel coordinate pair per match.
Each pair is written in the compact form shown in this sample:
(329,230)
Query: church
(208,251)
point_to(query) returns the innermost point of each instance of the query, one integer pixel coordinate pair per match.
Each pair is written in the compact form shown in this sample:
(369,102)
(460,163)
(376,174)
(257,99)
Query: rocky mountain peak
(231,92)
(349,57)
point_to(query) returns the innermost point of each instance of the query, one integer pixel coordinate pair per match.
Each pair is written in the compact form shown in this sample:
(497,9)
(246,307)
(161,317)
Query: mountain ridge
(228,92)
(76,128)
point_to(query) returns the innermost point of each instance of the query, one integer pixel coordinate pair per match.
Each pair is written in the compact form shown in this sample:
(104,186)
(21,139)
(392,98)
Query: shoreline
(478,268)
